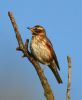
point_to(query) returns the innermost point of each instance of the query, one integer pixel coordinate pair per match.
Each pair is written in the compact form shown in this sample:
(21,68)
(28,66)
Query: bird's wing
(50,46)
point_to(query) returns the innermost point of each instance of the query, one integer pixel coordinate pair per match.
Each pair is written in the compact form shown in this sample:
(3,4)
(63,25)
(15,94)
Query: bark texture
(24,48)
(69,78)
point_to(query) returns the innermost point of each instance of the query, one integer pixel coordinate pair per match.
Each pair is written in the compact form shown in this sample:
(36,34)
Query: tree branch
(24,48)
(69,78)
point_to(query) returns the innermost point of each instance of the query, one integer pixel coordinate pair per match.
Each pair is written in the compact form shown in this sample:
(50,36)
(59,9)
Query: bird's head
(37,30)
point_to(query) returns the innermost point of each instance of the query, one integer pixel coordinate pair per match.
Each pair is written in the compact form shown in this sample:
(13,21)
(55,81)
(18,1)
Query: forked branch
(24,48)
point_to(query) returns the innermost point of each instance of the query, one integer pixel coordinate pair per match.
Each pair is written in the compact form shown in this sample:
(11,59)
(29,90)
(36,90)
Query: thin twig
(69,78)
(24,48)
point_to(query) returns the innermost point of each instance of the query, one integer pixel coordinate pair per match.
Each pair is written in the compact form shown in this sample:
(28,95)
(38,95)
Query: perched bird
(42,50)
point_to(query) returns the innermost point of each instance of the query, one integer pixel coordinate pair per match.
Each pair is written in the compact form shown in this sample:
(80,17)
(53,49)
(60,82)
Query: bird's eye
(38,30)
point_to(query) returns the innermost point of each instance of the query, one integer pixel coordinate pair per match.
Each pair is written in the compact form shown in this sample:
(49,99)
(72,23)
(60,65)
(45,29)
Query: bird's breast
(39,50)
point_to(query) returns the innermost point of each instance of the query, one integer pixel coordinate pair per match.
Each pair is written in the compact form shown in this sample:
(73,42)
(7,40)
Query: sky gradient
(62,20)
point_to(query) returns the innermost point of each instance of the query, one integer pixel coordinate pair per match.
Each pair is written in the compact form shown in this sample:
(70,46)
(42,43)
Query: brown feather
(53,68)
(49,45)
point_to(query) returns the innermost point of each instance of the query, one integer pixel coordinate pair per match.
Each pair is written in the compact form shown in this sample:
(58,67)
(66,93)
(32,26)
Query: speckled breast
(39,49)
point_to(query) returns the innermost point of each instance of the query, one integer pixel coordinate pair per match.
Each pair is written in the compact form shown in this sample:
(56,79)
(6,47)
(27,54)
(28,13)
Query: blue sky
(62,20)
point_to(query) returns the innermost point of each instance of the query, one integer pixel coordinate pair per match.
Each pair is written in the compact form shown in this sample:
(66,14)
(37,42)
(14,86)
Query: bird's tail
(56,74)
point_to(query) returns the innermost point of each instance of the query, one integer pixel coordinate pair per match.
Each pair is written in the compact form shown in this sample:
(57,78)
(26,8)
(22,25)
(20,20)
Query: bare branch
(69,78)
(24,48)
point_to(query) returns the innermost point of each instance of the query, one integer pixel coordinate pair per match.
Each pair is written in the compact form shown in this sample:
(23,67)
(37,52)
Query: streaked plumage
(42,50)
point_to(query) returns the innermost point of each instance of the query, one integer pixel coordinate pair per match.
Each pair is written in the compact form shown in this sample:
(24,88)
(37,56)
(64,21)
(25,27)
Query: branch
(24,48)
(69,78)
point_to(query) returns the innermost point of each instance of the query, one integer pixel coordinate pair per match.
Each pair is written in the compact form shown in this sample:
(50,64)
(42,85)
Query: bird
(42,50)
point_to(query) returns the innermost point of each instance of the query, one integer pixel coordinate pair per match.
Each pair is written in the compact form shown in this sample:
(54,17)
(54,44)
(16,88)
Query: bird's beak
(31,29)
(28,28)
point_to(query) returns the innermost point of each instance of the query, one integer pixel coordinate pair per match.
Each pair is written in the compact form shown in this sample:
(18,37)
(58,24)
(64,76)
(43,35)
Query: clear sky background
(62,20)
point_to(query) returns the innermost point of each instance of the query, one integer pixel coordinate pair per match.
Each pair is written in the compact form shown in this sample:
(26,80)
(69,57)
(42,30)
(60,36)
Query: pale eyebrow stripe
(40,28)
